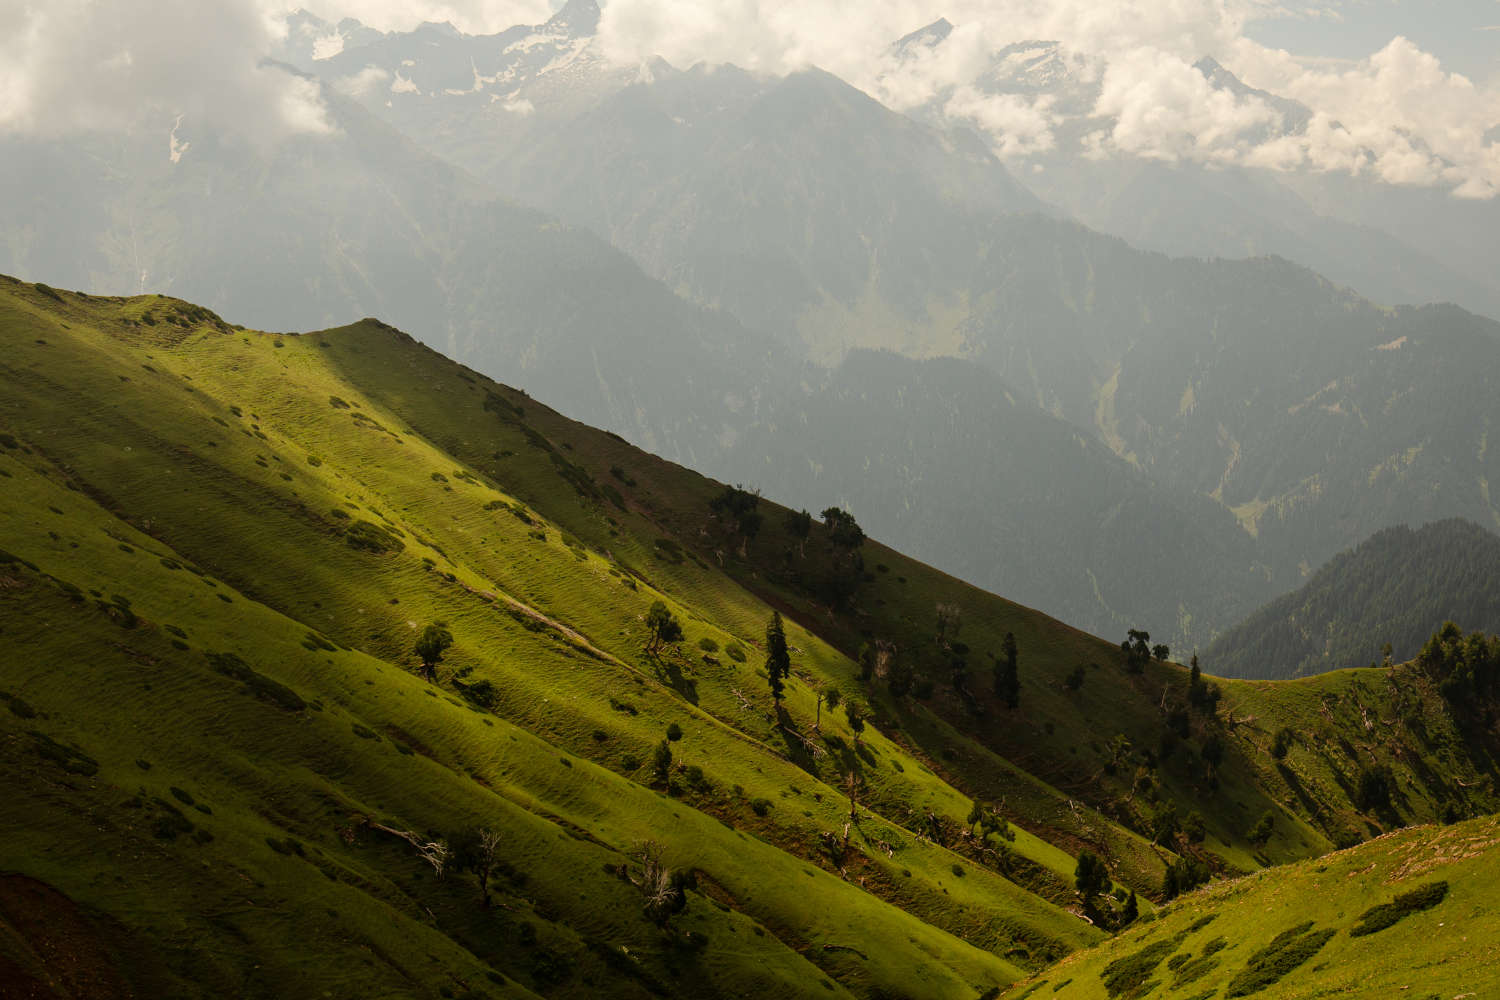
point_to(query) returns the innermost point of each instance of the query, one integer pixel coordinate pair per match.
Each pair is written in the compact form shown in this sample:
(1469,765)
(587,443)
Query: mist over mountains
(782,282)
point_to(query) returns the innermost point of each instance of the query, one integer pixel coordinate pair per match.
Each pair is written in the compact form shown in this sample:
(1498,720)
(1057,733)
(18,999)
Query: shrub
(708,645)
(70,760)
(735,652)
(369,537)
(760,806)
(1281,743)
(255,683)
(1378,918)
(482,693)
(674,732)
(1126,976)
(1271,964)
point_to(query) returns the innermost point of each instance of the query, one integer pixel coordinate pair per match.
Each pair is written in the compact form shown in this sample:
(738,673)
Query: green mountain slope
(1396,588)
(1321,928)
(227,773)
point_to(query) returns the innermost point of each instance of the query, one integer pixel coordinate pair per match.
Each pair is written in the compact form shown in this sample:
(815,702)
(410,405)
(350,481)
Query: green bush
(708,645)
(1125,976)
(255,683)
(1271,964)
(760,806)
(369,537)
(674,732)
(1378,918)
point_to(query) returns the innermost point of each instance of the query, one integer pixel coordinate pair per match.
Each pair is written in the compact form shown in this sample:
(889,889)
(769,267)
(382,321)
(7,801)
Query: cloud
(473,16)
(364,83)
(69,65)
(1395,115)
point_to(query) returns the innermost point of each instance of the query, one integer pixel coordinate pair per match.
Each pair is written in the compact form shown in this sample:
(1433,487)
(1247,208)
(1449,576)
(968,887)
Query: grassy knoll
(1303,930)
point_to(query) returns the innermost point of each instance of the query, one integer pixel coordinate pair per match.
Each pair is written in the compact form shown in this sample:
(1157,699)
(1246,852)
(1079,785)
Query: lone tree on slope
(476,851)
(431,645)
(1007,677)
(664,628)
(778,659)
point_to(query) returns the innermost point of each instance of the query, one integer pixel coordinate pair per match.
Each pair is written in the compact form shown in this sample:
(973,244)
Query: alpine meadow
(522,499)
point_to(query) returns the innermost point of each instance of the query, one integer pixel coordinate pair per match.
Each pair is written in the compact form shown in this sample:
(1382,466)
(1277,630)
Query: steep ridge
(224,544)
(295,542)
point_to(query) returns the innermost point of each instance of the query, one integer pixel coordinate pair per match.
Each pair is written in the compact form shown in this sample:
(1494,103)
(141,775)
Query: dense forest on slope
(336,666)
(1377,602)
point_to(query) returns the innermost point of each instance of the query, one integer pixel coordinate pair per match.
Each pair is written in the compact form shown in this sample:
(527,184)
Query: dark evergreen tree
(1007,676)
(661,762)
(1091,877)
(778,659)
(1197,693)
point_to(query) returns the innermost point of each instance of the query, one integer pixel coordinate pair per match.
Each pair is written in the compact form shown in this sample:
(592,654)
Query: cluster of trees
(1184,875)
(1091,879)
(1139,651)
(846,564)
(739,509)
(985,822)
(1465,667)
(832,576)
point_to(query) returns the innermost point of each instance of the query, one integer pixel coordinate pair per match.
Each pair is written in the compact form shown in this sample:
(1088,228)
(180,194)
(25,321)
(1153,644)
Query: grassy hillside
(1411,914)
(1395,589)
(220,546)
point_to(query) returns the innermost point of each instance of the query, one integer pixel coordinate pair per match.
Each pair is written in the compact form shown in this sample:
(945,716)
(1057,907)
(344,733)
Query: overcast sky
(1383,76)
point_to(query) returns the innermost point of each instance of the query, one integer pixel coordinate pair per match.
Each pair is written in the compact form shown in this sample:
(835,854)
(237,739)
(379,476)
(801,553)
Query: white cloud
(1395,115)
(71,65)
(364,83)
(472,16)
(1401,118)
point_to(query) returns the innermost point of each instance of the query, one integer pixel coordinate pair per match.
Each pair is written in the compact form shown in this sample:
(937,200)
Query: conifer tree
(1007,677)
(778,660)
